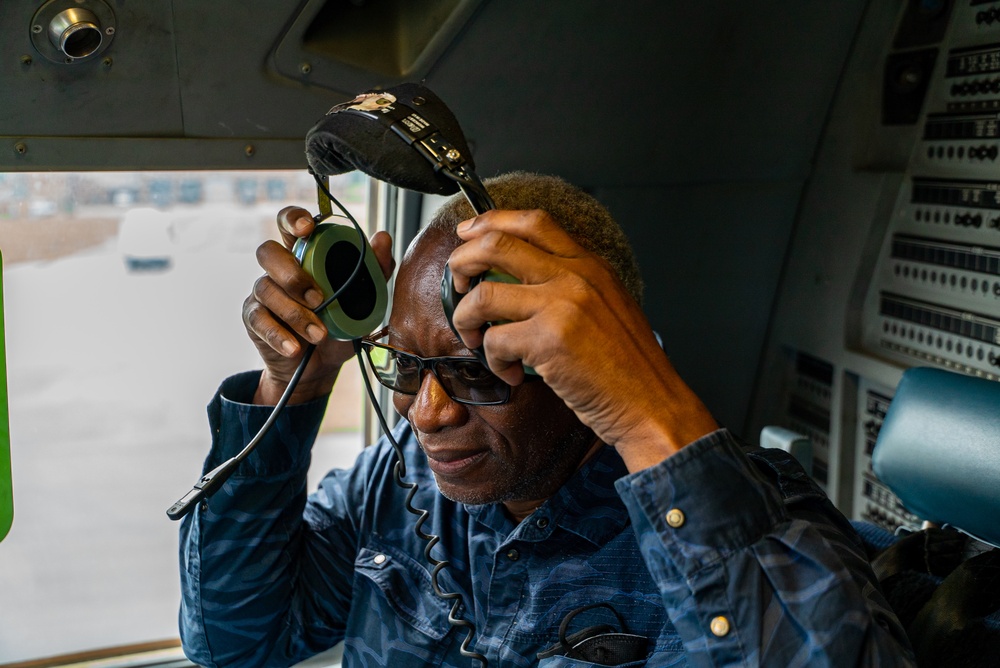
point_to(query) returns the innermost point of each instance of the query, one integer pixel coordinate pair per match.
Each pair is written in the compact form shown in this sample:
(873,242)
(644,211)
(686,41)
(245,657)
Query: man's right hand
(279,318)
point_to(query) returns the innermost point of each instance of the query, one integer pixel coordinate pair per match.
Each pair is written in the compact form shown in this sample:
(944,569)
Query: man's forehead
(420,274)
(422,266)
(430,241)
(417,315)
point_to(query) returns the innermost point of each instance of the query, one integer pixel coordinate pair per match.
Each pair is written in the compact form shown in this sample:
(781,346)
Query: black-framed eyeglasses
(464,379)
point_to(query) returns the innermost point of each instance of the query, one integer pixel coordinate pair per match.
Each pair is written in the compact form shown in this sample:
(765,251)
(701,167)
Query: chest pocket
(668,659)
(404,595)
(600,645)
(564,662)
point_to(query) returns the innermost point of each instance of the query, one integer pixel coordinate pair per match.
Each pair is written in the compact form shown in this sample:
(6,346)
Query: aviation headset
(407,137)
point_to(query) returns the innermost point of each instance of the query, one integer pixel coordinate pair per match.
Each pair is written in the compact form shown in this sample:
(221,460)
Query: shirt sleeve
(755,565)
(238,572)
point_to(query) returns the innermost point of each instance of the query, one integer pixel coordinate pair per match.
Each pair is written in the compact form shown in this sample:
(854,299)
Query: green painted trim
(6,486)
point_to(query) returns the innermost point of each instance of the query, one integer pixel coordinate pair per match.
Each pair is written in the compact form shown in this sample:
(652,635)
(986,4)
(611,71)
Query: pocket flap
(406,586)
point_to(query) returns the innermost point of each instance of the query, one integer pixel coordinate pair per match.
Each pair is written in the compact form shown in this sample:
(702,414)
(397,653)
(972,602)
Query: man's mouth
(452,463)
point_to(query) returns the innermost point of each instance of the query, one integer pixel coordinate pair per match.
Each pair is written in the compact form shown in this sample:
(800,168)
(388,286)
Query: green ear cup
(330,254)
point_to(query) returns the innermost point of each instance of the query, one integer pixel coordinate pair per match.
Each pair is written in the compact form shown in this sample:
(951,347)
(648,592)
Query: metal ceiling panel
(129,90)
(602,93)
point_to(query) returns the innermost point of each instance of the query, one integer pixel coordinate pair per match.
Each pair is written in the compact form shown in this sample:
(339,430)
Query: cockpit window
(123,295)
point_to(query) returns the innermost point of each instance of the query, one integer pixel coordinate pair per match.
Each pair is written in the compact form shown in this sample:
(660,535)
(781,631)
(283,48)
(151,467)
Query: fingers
(527,322)
(279,310)
(276,318)
(502,345)
(264,327)
(492,302)
(382,245)
(520,243)
(294,223)
(534,226)
(284,270)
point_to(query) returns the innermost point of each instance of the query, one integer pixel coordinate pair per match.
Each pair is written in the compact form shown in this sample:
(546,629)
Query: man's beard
(546,470)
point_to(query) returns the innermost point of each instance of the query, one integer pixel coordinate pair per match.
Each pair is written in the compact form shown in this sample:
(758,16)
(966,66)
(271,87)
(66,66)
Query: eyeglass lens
(465,380)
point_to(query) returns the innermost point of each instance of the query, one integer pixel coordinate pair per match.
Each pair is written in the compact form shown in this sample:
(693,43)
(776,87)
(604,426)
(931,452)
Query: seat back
(939,450)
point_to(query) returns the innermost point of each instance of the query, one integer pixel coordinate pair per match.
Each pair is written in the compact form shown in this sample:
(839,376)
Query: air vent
(387,37)
(350,45)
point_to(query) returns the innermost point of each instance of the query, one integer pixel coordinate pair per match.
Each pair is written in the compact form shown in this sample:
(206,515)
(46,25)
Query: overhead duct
(353,44)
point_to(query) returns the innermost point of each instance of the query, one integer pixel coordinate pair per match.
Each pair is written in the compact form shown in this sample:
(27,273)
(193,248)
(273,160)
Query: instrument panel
(935,294)
(904,209)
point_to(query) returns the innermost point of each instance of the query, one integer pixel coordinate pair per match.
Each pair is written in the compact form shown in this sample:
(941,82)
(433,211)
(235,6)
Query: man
(600,495)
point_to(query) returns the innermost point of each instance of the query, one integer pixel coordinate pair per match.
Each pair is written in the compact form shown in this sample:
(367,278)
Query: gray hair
(585,219)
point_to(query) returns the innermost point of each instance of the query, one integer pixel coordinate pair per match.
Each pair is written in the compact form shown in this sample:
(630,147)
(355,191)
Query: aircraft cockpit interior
(811,191)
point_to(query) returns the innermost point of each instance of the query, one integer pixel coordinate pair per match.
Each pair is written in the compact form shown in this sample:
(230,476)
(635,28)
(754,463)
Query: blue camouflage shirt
(721,555)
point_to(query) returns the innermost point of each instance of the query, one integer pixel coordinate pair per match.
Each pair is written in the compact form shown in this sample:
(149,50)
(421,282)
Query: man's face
(523,450)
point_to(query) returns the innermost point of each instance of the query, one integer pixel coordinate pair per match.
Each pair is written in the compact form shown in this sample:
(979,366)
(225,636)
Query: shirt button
(542,522)
(513,554)
(720,626)
(675,518)
(379,559)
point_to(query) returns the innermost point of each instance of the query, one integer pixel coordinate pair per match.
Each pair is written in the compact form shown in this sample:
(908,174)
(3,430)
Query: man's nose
(432,409)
